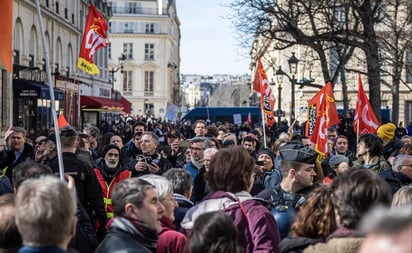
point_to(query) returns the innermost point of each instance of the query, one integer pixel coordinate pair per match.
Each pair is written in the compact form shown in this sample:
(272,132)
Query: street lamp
(279,76)
(293,68)
(114,70)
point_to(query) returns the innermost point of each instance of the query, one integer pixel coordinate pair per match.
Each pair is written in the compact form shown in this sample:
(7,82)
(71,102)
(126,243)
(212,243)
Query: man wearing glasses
(401,173)
(196,165)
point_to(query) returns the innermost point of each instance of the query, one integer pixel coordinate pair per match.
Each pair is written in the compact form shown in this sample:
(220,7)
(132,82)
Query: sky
(209,43)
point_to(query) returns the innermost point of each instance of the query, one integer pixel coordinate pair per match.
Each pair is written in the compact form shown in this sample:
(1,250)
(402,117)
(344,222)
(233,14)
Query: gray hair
(211,151)
(400,161)
(131,190)
(206,142)
(180,179)
(155,138)
(402,196)
(45,210)
(387,221)
(163,186)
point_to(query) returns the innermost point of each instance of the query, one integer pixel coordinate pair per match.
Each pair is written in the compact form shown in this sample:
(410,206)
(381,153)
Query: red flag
(94,37)
(61,121)
(6,38)
(326,116)
(364,115)
(267,99)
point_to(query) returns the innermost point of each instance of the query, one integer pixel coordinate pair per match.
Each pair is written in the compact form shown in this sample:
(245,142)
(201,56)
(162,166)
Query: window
(339,14)
(127,81)
(57,7)
(149,28)
(409,67)
(148,82)
(109,51)
(128,27)
(149,51)
(128,50)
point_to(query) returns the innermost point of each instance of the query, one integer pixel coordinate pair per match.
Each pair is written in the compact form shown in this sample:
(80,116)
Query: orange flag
(6,48)
(94,37)
(61,121)
(267,99)
(326,116)
(364,115)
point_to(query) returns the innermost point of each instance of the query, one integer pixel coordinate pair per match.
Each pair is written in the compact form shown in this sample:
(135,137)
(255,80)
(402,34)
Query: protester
(182,191)
(196,166)
(400,174)
(151,162)
(177,154)
(170,241)
(110,172)
(403,196)
(230,180)
(370,149)
(388,230)
(314,222)
(137,213)
(214,232)
(10,238)
(199,127)
(19,151)
(391,143)
(367,191)
(338,164)
(45,215)
(264,171)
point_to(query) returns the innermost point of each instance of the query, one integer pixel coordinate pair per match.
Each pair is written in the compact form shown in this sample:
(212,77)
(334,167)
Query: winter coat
(296,244)
(392,148)
(170,241)
(8,164)
(343,240)
(257,228)
(395,179)
(377,164)
(180,211)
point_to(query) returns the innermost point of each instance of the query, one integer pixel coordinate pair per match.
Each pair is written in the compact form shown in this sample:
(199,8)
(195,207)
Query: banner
(326,116)
(171,111)
(267,99)
(6,35)
(364,115)
(94,37)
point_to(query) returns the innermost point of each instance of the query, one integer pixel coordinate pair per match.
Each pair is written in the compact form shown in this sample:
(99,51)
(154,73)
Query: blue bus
(223,114)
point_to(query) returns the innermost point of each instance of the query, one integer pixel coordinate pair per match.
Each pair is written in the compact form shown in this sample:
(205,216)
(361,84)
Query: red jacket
(170,241)
(108,188)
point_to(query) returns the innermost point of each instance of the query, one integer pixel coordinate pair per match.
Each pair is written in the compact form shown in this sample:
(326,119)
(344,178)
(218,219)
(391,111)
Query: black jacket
(118,240)
(395,179)
(296,244)
(87,187)
(7,164)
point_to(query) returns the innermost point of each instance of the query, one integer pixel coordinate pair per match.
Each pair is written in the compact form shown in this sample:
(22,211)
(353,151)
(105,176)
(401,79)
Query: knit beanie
(269,153)
(387,132)
(336,160)
(108,147)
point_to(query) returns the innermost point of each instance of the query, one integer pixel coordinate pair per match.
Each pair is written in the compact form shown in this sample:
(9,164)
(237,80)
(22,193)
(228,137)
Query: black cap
(51,137)
(174,133)
(298,153)
(68,132)
(108,147)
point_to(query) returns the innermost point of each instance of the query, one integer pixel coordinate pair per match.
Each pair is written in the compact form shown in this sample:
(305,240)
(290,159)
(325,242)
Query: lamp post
(279,76)
(114,70)
(293,68)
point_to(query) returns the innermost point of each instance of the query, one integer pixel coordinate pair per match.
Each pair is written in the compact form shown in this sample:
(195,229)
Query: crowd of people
(143,186)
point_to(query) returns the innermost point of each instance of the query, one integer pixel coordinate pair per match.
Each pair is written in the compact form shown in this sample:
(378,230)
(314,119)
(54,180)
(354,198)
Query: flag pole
(51,90)
(263,128)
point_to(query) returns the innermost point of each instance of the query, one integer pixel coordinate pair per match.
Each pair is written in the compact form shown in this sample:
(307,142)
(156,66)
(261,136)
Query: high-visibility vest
(108,188)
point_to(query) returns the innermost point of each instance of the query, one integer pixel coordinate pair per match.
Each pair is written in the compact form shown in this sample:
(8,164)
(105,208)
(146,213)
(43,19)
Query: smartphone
(260,163)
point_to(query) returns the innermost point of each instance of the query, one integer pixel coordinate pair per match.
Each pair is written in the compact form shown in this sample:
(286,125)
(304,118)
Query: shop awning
(25,88)
(127,105)
(100,103)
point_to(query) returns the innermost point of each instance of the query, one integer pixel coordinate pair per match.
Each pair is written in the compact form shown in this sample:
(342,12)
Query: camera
(150,160)
(260,163)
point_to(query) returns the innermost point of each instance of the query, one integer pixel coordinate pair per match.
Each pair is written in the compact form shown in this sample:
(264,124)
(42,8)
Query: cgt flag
(326,116)
(94,37)
(364,119)
(267,99)
(6,35)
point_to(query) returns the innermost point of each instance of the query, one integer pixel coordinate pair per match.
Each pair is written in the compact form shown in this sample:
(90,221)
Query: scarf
(139,231)
(198,164)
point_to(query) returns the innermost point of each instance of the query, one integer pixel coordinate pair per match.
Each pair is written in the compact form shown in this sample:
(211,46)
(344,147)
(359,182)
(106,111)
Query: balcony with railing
(117,10)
